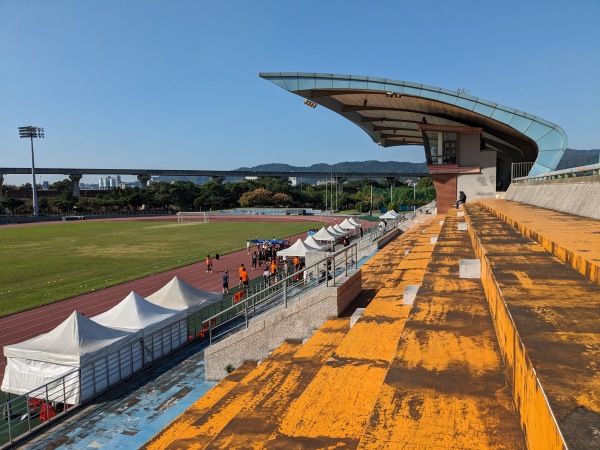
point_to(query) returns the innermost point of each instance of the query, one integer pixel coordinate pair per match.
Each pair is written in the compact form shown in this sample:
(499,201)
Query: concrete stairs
(546,316)
(322,392)
(505,360)
(445,387)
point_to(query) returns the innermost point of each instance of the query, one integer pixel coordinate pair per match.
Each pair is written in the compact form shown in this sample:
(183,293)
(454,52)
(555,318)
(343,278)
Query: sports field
(44,264)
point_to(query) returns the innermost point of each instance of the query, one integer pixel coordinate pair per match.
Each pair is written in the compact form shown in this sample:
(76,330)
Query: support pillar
(391,181)
(75,179)
(143,179)
(1,184)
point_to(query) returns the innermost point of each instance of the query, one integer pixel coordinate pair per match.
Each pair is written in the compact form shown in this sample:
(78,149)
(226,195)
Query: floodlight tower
(32,132)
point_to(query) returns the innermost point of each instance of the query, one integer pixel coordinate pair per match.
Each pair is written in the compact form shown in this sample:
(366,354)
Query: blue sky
(174,84)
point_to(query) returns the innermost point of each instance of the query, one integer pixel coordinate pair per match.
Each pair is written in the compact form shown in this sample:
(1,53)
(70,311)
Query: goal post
(188,217)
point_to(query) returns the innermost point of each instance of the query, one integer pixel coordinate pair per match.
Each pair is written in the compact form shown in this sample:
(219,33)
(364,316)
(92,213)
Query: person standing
(254,260)
(274,270)
(209,264)
(240,270)
(245,280)
(225,279)
(266,275)
(248,246)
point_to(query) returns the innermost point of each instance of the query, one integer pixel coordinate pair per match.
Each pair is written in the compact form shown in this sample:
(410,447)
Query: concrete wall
(297,321)
(577,196)
(482,185)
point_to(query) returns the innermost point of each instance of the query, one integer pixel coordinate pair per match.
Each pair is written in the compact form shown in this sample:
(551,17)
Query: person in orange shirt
(245,280)
(273,271)
(208,264)
(240,270)
(296,263)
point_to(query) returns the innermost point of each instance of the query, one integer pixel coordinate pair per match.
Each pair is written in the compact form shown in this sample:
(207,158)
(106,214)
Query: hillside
(576,158)
(347,166)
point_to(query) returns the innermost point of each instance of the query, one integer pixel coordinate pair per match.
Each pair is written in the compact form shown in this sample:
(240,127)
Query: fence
(592,169)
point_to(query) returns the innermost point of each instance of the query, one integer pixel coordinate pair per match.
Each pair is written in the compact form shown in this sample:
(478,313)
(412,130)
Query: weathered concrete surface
(577,196)
(547,322)
(446,387)
(297,321)
(336,406)
(574,240)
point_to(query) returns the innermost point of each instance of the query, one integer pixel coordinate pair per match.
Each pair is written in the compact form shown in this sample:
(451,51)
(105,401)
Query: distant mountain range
(571,158)
(355,166)
(576,158)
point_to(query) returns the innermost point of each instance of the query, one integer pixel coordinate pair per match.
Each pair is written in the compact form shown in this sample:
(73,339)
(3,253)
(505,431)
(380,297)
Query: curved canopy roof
(390,111)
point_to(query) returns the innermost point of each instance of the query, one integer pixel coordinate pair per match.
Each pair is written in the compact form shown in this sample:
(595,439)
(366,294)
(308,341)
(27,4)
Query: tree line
(359,195)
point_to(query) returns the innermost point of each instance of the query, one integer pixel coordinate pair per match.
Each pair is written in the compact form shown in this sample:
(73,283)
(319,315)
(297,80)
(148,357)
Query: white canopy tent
(347,225)
(339,229)
(299,248)
(324,235)
(177,294)
(334,232)
(354,222)
(311,242)
(163,329)
(389,215)
(102,354)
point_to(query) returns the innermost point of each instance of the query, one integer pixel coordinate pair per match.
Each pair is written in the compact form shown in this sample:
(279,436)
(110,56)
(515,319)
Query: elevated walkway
(546,317)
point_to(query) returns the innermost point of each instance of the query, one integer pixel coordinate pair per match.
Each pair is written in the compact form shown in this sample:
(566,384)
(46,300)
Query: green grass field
(45,264)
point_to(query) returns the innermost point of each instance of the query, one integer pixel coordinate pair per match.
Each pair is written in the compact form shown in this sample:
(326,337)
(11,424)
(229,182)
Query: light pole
(32,132)
(414,186)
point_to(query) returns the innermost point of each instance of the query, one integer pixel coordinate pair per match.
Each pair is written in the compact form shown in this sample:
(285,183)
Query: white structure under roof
(72,345)
(177,294)
(324,235)
(311,242)
(347,225)
(299,248)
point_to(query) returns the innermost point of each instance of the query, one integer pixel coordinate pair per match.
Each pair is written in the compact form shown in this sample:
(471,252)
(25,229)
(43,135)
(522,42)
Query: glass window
(324,83)
(464,103)
(291,83)
(376,85)
(339,83)
(484,110)
(429,94)
(520,123)
(306,83)
(358,84)
(451,99)
(552,140)
(502,116)
(411,91)
(549,158)
(537,130)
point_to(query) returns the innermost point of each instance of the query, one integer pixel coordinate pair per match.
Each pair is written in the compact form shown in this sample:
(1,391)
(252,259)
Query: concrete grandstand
(476,328)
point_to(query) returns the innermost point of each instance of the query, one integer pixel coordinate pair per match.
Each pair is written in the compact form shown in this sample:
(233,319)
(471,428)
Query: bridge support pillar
(1,184)
(217,179)
(75,179)
(143,179)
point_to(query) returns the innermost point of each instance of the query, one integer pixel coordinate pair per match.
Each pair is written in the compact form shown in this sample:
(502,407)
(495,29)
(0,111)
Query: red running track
(27,324)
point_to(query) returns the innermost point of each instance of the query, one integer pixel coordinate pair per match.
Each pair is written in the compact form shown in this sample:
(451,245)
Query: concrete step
(211,413)
(445,387)
(546,316)
(575,240)
(335,407)
(256,422)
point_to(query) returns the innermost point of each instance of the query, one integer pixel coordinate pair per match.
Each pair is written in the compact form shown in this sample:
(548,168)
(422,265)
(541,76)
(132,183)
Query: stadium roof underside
(390,111)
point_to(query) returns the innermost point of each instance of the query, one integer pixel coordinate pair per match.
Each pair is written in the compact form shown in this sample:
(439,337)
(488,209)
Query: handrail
(592,169)
(280,292)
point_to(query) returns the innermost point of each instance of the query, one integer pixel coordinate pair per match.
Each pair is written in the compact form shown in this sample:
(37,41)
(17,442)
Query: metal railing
(592,169)
(519,170)
(278,293)
(25,413)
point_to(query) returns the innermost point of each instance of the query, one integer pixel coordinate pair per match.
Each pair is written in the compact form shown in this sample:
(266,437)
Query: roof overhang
(390,112)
